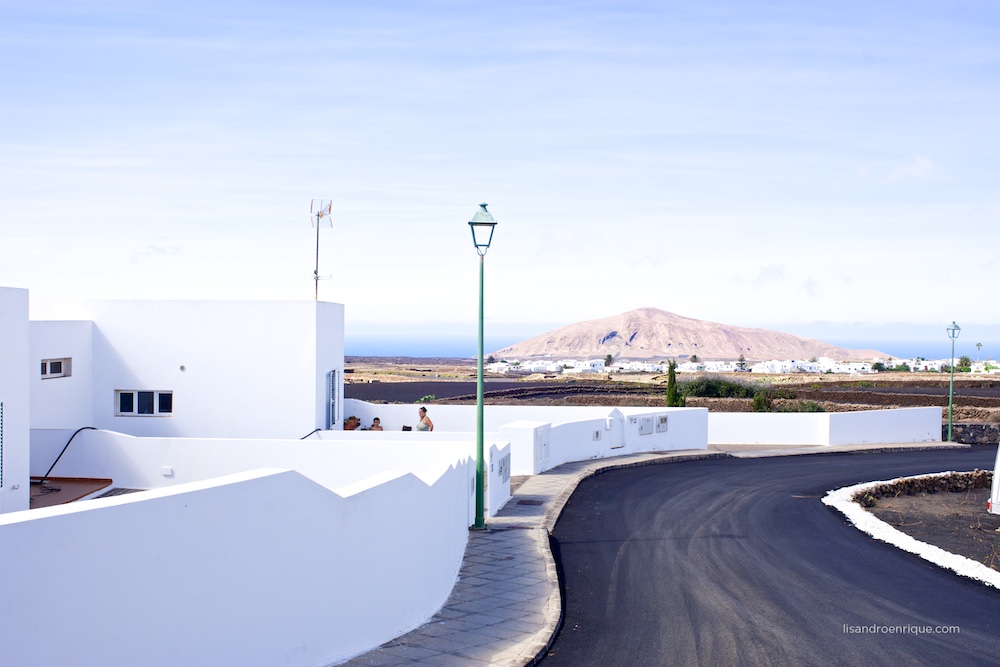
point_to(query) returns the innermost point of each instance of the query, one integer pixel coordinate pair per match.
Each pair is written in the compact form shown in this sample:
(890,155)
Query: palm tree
(979,346)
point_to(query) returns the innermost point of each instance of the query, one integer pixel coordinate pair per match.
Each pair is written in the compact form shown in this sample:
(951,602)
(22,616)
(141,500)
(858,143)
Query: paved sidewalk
(506,608)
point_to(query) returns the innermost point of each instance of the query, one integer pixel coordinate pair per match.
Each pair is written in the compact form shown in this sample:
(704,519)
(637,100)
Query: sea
(461,348)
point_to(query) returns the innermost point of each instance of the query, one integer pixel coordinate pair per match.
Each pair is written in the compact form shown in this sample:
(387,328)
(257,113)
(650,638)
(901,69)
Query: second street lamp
(482,225)
(953,332)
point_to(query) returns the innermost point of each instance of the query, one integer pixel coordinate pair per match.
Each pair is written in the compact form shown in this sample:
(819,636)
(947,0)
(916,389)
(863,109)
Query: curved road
(736,561)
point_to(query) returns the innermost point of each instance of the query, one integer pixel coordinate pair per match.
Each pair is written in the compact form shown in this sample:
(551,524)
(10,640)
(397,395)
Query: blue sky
(790,165)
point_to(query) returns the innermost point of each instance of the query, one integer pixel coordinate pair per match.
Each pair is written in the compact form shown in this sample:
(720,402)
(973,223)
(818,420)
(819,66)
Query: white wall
(462,418)
(236,369)
(218,573)
(886,426)
(329,357)
(337,460)
(825,428)
(768,428)
(62,402)
(573,433)
(14,393)
(140,462)
(497,473)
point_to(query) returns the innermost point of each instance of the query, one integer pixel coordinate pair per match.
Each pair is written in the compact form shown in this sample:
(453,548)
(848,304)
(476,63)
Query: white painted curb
(841,499)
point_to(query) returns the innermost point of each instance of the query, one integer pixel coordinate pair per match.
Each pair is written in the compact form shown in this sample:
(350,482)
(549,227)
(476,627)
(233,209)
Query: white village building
(220,369)
(251,507)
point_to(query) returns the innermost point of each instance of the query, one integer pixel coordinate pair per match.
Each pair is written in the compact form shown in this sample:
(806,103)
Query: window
(133,403)
(56,368)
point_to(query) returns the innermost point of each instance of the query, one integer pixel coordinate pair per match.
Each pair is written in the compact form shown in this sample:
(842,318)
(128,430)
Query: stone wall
(972,434)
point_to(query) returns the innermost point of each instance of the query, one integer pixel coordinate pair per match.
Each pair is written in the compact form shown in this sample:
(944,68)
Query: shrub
(802,406)
(715,387)
(674,397)
(762,401)
(427,399)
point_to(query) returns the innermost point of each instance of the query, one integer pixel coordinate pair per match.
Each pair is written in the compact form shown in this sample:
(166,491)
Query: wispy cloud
(917,168)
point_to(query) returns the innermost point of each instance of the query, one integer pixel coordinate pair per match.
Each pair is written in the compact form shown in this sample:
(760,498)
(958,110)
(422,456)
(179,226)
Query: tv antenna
(319,214)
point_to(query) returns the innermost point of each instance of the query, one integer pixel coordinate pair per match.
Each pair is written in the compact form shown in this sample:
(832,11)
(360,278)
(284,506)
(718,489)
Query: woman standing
(425,424)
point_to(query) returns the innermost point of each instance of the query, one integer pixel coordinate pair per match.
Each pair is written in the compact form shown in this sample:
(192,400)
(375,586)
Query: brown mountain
(650,333)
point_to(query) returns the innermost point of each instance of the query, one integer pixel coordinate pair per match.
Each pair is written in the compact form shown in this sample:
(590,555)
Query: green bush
(716,387)
(801,406)
(427,399)
(674,397)
(762,401)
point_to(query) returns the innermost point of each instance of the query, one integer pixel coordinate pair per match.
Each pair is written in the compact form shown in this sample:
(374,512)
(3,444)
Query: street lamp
(953,332)
(482,225)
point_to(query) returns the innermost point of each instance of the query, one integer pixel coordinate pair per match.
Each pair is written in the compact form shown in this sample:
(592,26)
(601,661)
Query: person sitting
(376,425)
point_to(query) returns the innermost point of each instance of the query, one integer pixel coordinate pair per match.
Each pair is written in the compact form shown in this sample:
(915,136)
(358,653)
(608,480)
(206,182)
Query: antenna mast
(319,214)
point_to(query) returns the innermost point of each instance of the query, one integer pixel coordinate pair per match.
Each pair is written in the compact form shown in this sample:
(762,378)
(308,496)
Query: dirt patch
(955,521)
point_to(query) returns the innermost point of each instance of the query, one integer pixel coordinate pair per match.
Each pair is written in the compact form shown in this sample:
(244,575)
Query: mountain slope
(650,333)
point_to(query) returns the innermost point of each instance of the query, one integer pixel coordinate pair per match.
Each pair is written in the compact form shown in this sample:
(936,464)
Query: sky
(823,168)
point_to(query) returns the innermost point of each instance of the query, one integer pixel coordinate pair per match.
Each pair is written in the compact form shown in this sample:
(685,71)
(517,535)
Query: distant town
(816,365)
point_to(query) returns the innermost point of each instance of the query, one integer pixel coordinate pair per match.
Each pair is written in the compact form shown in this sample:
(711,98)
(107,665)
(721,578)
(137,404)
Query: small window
(56,368)
(133,403)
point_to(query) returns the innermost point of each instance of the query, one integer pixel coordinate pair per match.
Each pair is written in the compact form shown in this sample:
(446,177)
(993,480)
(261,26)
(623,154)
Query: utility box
(529,446)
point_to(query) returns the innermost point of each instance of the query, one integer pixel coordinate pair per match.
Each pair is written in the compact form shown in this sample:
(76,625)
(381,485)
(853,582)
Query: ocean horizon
(420,347)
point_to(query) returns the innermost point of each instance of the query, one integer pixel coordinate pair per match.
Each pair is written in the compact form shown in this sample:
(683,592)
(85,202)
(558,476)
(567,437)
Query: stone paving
(506,608)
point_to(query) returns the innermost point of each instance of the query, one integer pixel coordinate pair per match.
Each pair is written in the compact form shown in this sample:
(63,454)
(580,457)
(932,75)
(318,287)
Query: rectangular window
(145,403)
(56,368)
(133,403)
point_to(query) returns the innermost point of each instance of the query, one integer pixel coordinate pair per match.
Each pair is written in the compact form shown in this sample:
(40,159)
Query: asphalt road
(736,561)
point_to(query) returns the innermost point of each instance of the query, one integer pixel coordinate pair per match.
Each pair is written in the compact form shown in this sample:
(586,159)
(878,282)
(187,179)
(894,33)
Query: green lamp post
(953,332)
(482,225)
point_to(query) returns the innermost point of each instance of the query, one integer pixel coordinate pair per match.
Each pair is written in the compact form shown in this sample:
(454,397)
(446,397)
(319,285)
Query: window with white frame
(57,368)
(137,403)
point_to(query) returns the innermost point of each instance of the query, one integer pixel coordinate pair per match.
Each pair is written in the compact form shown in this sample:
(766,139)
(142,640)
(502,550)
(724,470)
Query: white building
(14,400)
(690,367)
(189,368)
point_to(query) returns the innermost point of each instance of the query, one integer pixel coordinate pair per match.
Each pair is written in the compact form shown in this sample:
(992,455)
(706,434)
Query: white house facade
(236,369)
(14,400)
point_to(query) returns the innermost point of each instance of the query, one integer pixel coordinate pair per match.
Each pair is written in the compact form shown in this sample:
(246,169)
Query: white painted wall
(218,573)
(236,369)
(14,395)
(768,428)
(337,460)
(62,402)
(497,473)
(574,434)
(529,445)
(139,463)
(885,426)
(825,428)
(462,418)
